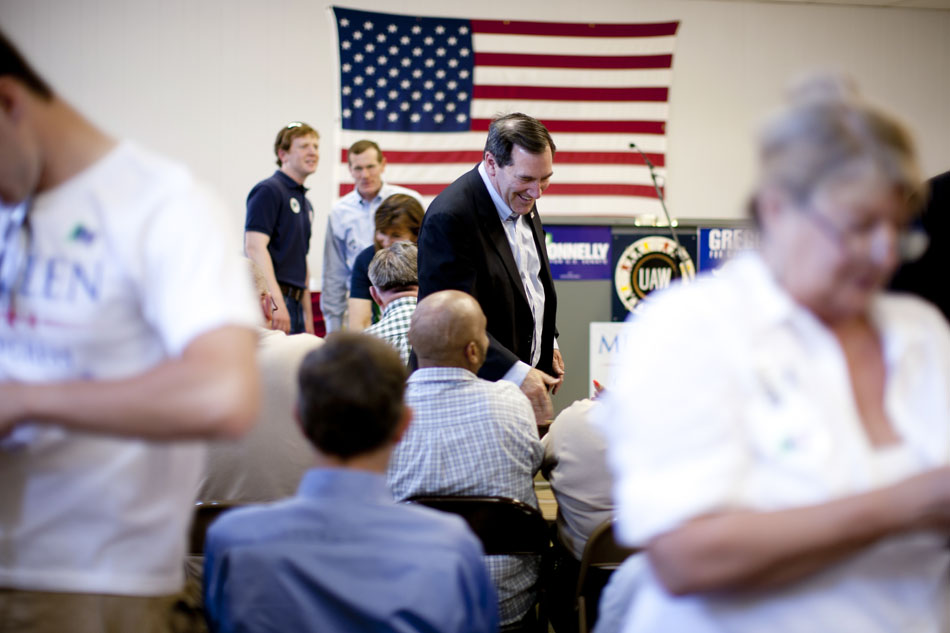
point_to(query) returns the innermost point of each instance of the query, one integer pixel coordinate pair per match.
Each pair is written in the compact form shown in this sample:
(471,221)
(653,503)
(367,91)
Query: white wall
(211,81)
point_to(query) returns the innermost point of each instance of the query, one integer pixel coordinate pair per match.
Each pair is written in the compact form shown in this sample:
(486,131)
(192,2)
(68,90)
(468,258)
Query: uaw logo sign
(648,263)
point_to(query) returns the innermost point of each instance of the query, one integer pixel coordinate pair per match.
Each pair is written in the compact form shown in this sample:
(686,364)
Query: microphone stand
(659,194)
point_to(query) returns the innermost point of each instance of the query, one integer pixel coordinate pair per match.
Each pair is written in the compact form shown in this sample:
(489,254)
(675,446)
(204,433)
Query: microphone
(680,251)
(645,159)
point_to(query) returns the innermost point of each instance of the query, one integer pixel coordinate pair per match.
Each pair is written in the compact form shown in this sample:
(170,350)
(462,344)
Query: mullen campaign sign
(578,252)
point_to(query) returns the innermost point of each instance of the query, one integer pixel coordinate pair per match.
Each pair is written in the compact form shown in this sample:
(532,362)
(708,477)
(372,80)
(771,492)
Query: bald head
(448,330)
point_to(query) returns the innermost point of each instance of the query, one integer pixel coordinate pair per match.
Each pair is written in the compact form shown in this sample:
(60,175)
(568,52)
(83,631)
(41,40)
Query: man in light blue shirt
(342,555)
(350,226)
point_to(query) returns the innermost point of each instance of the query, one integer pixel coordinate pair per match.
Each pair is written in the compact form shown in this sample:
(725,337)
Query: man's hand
(307,309)
(535,386)
(281,317)
(557,363)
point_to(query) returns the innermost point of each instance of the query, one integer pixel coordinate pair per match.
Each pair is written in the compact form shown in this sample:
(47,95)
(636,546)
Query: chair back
(205,514)
(504,526)
(601,552)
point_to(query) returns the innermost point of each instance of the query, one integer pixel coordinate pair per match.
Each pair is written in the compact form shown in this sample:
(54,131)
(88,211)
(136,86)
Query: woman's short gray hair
(827,128)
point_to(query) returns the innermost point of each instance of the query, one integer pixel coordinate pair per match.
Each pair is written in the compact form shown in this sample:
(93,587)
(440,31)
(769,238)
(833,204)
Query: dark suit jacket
(463,246)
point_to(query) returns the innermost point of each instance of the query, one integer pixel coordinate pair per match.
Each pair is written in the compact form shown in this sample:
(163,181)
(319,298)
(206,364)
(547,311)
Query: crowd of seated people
(801,486)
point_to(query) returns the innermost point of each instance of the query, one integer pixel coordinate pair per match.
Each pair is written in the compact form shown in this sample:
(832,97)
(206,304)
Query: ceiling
(939,5)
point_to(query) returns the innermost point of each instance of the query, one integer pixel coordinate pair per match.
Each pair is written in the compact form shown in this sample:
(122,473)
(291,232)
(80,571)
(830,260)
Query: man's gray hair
(395,268)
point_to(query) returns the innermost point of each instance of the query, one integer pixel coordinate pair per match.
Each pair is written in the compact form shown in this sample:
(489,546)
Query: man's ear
(13,96)
(471,353)
(490,164)
(375,295)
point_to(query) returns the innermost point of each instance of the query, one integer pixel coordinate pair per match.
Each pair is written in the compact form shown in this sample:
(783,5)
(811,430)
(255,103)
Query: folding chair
(601,552)
(504,526)
(205,514)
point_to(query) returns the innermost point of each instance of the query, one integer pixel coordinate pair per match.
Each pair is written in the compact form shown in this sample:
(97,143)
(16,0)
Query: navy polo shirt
(278,207)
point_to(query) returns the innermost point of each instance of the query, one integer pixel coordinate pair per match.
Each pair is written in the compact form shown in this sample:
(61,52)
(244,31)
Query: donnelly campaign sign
(578,252)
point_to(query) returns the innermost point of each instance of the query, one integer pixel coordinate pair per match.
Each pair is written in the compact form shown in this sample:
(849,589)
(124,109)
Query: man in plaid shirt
(468,436)
(395,288)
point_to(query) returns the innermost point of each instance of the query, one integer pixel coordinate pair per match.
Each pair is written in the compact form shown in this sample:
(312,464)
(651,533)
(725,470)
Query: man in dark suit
(482,235)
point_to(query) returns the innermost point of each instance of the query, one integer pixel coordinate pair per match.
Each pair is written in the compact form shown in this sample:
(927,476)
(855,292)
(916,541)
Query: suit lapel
(491,224)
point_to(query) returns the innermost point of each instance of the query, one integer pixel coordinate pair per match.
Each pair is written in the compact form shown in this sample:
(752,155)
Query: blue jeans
(295,310)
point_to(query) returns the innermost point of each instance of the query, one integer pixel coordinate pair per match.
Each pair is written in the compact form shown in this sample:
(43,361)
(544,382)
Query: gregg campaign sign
(716,245)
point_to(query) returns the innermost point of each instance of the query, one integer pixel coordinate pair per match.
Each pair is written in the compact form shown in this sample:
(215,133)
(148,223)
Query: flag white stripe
(571,77)
(573,110)
(476,141)
(445,173)
(596,46)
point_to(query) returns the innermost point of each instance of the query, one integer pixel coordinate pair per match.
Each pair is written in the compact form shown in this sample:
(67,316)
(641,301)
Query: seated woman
(397,219)
(780,438)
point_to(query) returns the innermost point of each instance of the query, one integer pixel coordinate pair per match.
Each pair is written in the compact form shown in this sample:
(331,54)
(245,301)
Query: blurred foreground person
(121,332)
(342,555)
(783,454)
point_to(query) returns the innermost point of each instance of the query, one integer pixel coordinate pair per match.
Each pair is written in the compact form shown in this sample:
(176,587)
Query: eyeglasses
(860,239)
(293,124)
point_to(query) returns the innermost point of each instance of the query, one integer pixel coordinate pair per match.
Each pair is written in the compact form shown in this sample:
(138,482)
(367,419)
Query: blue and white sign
(717,245)
(606,349)
(578,252)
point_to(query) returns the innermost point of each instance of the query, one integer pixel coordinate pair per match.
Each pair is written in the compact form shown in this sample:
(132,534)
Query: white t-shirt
(128,262)
(736,397)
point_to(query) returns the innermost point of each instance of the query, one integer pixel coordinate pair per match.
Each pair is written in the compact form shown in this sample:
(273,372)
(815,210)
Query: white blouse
(737,397)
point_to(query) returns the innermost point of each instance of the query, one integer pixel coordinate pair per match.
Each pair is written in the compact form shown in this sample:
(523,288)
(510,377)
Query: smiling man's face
(524,180)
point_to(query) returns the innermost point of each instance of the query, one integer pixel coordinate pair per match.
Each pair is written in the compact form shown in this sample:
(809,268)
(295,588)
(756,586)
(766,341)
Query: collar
(395,304)
(344,483)
(289,182)
(378,198)
(504,211)
(441,374)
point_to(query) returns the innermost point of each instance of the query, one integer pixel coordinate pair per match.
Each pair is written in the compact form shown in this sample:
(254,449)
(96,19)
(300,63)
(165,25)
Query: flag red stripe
(473,156)
(551,93)
(591,189)
(565,29)
(563,189)
(592,127)
(596,62)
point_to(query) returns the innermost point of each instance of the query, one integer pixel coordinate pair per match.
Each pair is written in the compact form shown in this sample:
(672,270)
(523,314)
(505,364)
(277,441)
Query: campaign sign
(645,260)
(578,252)
(717,245)
(606,347)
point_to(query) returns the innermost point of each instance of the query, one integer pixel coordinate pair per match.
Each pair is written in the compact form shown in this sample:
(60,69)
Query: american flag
(426,88)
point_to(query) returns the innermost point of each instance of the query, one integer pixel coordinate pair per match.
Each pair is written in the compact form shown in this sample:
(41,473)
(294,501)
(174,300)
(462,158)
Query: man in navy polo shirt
(277,228)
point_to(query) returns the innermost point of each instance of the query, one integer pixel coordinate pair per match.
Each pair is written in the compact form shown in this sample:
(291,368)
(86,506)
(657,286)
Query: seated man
(341,555)
(395,288)
(268,462)
(470,436)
